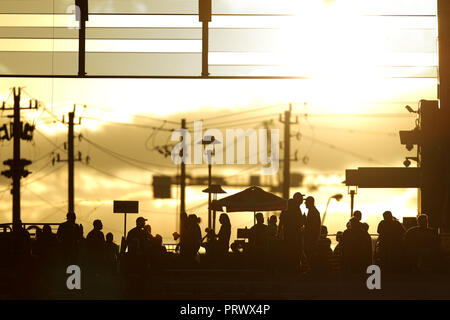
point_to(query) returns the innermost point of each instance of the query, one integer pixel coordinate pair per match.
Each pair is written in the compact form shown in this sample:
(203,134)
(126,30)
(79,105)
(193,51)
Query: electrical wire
(334,147)
(120,158)
(142,126)
(117,177)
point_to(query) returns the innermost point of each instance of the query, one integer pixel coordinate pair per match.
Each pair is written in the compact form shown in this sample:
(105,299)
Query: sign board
(126,206)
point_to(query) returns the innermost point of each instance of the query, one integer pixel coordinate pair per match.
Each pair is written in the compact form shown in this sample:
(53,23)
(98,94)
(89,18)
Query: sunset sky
(361,63)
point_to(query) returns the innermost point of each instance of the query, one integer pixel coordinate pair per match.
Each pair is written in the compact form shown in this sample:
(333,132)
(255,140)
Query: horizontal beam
(383,177)
(171,77)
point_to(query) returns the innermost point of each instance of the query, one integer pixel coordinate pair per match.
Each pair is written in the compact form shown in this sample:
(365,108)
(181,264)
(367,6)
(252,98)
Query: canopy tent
(251,199)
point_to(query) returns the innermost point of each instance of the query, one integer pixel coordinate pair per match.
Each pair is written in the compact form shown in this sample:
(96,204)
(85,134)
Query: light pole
(337,197)
(209,140)
(214,189)
(352,191)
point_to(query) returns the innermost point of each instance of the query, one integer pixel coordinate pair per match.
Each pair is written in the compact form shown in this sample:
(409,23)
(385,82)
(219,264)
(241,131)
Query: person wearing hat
(295,203)
(137,232)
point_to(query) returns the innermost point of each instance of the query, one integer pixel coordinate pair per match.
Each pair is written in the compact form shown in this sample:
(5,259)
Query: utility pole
(183,178)
(70,155)
(17,164)
(17,128)
(287,151)
(71,159)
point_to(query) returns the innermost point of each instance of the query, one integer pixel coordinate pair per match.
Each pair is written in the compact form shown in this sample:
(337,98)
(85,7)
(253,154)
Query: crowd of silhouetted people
(292,242)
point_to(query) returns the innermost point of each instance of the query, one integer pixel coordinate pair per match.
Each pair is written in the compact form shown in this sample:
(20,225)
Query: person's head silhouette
(140,222)
(339,236)
(98,225)
(323,231)
(71,217)
(272,220)
(193,219)
(422,221)
(158,240)
(46,229)
(109,237)
(365,227)
(387,215)
(259,218)
(357,215)
(148,229)
(298,197)
(224,219)
(309,202)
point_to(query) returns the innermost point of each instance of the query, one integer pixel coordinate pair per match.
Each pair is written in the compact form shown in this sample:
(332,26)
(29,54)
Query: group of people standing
(395,250)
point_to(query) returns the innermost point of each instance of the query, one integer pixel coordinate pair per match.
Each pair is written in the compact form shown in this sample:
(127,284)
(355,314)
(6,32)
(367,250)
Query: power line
(43,176)
(351,130)
(133,115)
(128,124)
(122,155)
(43,199)
(241,112)
(334,147)
(57,147)
(117,177)
(120,158)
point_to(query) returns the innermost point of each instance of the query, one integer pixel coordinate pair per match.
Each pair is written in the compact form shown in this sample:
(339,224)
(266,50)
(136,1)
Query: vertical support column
(352,202)
(84,14)
(443,7)
(287,153)
(209,189)
(204,15)
(125,225)
(183,178)
(71,160)
(16,167)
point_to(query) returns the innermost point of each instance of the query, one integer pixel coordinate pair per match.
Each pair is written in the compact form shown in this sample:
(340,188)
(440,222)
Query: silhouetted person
(95,239)
(295,214)
(259,233)
(211,246)
(111,254)
(258,240)
(390,242)
(356,248)
(292,222)
(422,245)
(272,227)
(137,233)
(46,248)
(148,242)
(69,235)
(337,252)
(158,254)
(191,239)
(357,216)
(312,228)
(148,232)
(46,245)
(133,269)
(322,258)
(95,245)
(223,237)
(24,266)
(21,240)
